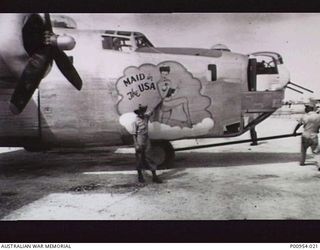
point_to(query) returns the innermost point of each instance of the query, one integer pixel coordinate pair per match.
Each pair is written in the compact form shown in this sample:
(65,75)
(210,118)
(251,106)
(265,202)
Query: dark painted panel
(262,101)
(225,104)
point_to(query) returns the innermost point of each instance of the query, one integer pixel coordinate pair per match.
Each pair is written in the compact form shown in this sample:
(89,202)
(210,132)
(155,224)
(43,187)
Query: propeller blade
(29,80)
(37,67)
(62,60)
(67,68)
(47,22)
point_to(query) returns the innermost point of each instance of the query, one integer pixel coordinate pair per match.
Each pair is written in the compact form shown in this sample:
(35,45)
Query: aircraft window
(143,42)
(109,31)
(277,57)
(116,43)
(125,44)
(124,33)
(137,34)
(266,66)
(107,43)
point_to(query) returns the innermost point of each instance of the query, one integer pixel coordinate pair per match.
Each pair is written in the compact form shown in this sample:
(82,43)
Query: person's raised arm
(296,128)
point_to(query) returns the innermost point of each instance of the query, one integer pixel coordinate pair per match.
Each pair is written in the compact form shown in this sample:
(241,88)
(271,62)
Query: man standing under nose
(142,144)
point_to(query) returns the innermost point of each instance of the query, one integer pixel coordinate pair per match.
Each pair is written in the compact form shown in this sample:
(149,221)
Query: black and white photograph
(159,116)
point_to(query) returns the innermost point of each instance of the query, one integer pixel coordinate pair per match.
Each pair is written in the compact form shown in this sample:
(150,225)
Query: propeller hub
(66,42)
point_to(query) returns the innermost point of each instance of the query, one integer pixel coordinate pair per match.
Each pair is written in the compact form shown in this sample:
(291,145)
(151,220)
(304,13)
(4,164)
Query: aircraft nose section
(283,78)
(284,75)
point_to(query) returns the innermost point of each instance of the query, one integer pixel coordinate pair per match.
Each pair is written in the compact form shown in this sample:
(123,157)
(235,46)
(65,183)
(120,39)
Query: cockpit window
(266,65)
(142,42)
(116,43)
(276,56)
(124,40)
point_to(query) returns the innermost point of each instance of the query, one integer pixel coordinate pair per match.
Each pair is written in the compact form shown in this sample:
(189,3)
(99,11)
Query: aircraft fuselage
(203,94)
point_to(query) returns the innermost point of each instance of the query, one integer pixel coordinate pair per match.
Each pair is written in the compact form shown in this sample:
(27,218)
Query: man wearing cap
(142,143)
(309,138)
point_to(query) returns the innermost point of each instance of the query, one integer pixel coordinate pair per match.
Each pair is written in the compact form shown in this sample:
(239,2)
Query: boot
(156,178)
(140,177)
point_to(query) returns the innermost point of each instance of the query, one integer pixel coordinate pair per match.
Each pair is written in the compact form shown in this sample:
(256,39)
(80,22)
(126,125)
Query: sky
(296,36)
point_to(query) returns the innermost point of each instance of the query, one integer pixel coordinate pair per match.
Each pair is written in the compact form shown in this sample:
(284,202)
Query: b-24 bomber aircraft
(203,93)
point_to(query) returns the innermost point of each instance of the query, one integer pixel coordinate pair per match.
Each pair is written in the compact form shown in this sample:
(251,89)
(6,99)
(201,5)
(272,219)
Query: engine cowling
(13,52)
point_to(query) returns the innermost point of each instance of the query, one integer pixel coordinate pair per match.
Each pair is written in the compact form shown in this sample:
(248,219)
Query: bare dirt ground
(224,183)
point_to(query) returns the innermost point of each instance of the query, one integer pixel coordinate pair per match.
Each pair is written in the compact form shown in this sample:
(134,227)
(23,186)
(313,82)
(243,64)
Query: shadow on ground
(26,177)
(200,159)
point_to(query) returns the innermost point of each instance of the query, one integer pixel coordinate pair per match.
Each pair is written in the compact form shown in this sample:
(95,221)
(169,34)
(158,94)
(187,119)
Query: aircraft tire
(162,154)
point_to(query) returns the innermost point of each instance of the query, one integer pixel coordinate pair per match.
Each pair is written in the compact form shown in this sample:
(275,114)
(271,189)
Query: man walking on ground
(309,138)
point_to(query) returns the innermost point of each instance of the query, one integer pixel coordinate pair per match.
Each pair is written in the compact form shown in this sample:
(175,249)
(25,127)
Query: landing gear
(254,137)
(161,153)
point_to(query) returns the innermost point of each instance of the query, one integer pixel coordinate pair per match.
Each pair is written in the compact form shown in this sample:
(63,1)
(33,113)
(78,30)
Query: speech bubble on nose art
(138,86)
(168,83)
(150,84)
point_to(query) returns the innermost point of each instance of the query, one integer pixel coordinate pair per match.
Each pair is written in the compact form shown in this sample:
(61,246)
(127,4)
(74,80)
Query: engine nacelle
(13,53)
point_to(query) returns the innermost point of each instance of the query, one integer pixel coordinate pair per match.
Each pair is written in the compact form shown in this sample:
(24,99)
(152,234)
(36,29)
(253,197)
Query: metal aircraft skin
(203,93)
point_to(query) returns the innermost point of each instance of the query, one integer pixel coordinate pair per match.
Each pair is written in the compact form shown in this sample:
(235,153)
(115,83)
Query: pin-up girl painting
(173,111)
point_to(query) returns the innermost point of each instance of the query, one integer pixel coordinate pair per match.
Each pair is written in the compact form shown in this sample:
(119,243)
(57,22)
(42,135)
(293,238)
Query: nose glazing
(284,75)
